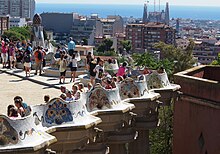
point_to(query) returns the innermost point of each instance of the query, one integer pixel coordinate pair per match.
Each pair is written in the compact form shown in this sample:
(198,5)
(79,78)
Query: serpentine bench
(66,123)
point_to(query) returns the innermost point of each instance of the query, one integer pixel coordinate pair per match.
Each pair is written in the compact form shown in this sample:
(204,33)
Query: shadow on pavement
(16,80)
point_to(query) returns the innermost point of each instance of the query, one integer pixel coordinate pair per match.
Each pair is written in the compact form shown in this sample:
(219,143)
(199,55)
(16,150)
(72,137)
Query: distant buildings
(156,16)
(18,8)
(4,24)
(112,25)
(206,50)
(81,27)
(17,22)
(117,41)
(144,36)
(84,29)
(59,23)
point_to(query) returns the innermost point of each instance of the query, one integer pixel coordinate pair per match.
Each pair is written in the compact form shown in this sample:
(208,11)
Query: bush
(14,36)
(107,53)
(25,31)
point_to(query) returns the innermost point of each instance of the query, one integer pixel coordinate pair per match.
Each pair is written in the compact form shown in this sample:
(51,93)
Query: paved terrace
(32,89)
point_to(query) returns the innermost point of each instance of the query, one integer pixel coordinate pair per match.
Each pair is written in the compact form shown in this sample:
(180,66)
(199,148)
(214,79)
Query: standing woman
(73,67)
(12,58)
(4,53)
(27,62)
(62,68)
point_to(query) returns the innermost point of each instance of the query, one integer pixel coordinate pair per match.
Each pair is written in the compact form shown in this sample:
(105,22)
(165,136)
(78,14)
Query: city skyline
(171,2)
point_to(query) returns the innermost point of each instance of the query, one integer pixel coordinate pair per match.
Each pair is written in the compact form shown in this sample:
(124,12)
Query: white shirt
(74,62)
(99,71)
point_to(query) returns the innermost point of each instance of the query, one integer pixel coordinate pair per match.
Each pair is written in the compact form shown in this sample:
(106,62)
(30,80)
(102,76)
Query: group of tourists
(13,52)
(67,58)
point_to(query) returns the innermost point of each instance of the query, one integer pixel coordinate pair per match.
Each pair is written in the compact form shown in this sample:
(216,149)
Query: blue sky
(172,2)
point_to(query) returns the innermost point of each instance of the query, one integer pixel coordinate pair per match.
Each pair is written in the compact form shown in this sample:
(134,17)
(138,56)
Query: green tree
(148,60)
(216,62)
(183,59)
(14,36)
(25,31)
(161,137)
(101,48)
(85,41)
(105,46)
(126,45)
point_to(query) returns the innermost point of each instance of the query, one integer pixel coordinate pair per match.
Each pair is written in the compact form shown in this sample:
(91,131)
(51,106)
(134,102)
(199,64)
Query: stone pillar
(117,149)
(141,144)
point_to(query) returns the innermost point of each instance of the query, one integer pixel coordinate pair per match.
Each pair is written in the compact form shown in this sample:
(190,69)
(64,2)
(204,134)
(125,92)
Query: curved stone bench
(159,82)
(146,107)
(111,68)
(68,123)
(17,136)
(105,102)
(115,115)
(113,107)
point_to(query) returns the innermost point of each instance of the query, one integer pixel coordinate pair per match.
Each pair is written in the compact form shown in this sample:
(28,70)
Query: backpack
(39,55)
(27,58)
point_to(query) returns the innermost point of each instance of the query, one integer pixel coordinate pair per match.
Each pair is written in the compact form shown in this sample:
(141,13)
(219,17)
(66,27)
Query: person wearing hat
(92,73)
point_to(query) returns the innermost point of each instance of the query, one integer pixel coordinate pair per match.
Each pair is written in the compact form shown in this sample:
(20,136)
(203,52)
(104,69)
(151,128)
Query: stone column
(141,144)
(117,149)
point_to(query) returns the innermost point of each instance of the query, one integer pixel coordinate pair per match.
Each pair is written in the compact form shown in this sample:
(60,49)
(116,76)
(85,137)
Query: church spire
(145,17)
(167,14)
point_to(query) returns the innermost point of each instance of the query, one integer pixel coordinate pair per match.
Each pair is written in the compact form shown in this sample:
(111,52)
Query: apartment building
(144,36)
(18,8)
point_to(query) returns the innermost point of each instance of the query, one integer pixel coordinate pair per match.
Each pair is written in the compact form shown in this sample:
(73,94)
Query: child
(46,99)
(81,87)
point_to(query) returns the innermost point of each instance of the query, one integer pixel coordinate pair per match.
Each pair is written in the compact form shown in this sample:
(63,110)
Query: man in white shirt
(99,69)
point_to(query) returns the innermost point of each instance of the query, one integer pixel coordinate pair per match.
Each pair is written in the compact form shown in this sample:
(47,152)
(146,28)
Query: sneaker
(35,73)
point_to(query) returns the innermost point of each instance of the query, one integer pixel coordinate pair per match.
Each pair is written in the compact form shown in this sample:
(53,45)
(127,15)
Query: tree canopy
(126,45)
(105,46)
(183,59)
(217,61)
(18,33)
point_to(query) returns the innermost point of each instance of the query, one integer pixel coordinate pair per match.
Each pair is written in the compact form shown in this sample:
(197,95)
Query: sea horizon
(128,10)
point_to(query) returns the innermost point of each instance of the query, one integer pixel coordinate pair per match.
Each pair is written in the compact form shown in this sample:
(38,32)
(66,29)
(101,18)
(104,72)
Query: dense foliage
(172,59)
(18,33)
(105,46)
(126,45)
(107,53)
(181,59)
(216,62)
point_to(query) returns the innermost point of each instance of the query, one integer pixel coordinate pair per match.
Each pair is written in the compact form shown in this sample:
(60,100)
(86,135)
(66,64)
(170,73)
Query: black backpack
(39,55)
(27,58)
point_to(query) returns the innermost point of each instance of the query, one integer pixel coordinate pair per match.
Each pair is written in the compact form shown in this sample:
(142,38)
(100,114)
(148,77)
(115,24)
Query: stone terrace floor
(32,89)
